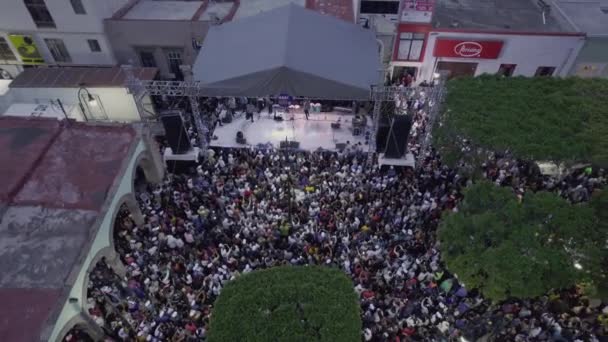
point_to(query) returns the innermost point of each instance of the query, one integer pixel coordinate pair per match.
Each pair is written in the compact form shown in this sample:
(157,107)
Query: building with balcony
(164,34)
(54,33)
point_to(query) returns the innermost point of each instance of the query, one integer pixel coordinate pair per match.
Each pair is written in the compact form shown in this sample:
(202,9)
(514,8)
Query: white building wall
(118,104)
(15,16)
(74,29)
(528,52)
(6,97)
(78,48)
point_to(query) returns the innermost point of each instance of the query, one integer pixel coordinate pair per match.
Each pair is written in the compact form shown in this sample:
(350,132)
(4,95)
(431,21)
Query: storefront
(408,55)
(465,51)
(425,51)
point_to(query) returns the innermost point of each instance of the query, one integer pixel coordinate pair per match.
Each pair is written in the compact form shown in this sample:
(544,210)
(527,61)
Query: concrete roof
(341,9)
(39,246)
(73,77)
(250,8)
(20,146)
(511,15)
(163,10)
(23,311)
(586,15)
(221,9)
(58,178)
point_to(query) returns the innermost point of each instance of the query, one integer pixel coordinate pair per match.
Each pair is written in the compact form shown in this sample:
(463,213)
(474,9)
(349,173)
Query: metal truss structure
(194,90)
(382,94)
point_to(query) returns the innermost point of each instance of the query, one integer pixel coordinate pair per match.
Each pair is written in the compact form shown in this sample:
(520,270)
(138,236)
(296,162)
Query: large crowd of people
(245,209)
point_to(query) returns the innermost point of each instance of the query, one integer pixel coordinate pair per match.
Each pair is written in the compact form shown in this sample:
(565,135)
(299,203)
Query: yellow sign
(26,48)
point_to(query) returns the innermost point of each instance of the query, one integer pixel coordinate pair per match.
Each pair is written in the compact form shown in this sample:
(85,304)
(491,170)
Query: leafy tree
(563,120)
(599,203)
(510,249)
(309,303)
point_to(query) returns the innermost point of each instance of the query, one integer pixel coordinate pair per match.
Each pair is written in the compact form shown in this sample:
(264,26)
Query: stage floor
(311,134)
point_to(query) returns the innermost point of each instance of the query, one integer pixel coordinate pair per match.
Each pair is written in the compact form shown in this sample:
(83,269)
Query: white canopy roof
(289,50)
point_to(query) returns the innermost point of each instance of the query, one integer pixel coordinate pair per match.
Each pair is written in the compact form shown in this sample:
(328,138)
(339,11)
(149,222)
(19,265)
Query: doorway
(401,72)
(457,69)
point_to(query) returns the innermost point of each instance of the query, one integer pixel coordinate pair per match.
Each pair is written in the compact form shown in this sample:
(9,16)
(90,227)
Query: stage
(311,134)
(407,160)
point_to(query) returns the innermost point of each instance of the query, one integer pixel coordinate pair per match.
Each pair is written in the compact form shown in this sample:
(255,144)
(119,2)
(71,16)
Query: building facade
(86,94)
(164,34)
(590,17)
(467,38)
(54,33)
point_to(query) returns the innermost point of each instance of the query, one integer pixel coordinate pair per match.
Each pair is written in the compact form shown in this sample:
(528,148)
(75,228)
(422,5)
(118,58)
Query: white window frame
(411,45)
(58,50)
(168,55)
(94,43)
(39,8)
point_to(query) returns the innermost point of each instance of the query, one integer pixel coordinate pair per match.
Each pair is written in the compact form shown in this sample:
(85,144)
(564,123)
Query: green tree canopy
(510,249)
(536,118)
(309,303)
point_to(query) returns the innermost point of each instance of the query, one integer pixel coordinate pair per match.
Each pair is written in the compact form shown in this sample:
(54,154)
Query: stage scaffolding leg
(201,129)
(374,132)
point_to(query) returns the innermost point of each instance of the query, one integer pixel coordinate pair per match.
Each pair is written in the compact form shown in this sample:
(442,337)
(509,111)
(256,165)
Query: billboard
(467,48)
(417,11)
(26,48)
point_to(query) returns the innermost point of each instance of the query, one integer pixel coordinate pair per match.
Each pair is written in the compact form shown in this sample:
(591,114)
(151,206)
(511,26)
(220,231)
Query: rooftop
(219,9)
(341,9)
(32,306)
(74,77)
(250,8)
(163,10)
(511,15)
(51,195)
(586,15)
(175,10)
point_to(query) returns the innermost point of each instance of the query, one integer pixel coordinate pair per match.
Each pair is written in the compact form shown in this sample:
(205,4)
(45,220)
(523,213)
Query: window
(5,51)
(58,50)
(78,7)
(40,14)
(174,60)
(544,71)
(94,45)
(410,46)
(379,7)
(506,70)
(147,59)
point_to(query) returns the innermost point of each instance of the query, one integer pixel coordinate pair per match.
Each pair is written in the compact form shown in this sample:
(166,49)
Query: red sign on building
(417,11)
(467,48)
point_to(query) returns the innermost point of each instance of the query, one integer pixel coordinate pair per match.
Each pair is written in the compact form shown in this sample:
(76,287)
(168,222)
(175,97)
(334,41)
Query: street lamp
(91,101)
